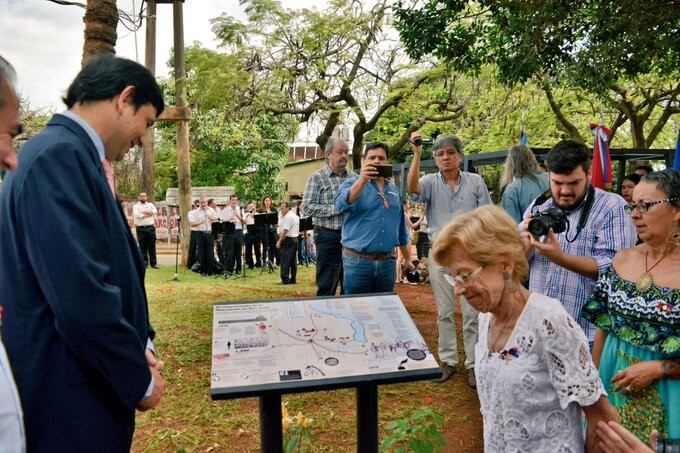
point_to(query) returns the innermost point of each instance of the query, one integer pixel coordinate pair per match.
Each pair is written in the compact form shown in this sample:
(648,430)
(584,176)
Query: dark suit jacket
(72,285)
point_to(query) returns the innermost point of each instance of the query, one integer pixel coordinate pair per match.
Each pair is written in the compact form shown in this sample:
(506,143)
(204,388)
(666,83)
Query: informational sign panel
(289,345)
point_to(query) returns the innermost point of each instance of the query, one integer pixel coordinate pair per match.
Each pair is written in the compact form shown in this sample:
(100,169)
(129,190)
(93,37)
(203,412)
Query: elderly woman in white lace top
(535,375)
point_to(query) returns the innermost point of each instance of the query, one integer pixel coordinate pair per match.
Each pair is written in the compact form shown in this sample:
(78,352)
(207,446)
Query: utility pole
(149,156)
(183,162)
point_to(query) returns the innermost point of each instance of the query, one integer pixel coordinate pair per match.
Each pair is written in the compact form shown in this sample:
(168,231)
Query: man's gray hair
(330,145)
(7,75)
(448,140)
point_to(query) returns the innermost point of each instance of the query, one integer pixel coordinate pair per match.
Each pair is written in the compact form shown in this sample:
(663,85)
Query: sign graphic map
(264,344)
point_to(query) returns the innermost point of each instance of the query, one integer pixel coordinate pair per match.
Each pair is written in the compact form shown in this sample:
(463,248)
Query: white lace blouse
(530,392)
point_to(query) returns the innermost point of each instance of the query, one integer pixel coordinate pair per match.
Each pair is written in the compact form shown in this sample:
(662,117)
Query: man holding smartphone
(448,193)
(374,225)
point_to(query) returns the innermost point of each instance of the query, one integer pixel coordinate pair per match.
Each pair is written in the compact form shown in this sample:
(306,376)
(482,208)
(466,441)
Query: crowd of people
(569,294)
(226,240)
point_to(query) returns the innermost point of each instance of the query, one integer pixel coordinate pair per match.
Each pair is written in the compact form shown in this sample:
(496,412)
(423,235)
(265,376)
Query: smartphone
(384,170)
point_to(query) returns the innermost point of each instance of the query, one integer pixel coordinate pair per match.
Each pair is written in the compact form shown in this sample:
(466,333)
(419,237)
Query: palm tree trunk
(101,19)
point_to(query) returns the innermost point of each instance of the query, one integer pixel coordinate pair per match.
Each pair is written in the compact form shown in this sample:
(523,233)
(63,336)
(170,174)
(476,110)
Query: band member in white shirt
(144,217)
(288,242)
(200,220)
(233,242)
(251,236)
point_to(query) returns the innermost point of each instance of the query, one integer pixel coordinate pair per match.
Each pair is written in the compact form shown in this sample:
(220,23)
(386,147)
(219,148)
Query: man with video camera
(448,193)
(573,231)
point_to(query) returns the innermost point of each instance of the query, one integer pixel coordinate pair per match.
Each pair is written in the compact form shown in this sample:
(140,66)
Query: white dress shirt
(138,211)
(205,216)
(291,223)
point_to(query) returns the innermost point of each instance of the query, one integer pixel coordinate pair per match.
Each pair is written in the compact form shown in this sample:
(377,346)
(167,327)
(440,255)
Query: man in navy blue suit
(76,324)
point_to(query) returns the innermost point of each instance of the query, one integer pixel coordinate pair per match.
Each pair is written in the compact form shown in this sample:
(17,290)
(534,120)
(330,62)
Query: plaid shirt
(319,198)
(607,230)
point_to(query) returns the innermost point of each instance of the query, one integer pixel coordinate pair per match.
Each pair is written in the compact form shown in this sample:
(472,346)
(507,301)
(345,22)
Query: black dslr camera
(554,218)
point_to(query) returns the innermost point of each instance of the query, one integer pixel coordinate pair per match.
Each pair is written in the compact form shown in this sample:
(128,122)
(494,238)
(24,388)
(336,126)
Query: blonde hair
(487,234)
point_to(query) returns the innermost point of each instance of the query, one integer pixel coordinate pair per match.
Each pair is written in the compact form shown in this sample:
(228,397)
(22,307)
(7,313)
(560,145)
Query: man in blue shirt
(374,224)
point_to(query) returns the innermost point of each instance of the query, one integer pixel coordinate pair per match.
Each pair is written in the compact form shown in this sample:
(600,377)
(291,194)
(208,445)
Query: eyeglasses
(446,152)
(643,206)
(462,279)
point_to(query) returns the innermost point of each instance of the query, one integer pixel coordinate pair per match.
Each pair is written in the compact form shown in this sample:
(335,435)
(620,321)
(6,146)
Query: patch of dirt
(453,399)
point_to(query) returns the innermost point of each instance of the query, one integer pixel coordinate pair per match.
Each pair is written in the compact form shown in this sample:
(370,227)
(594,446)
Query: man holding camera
(374,225)
(318,203)
(448,193)
(573,231)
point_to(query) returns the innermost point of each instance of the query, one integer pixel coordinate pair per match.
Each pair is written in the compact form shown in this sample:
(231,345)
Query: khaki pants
(444,297)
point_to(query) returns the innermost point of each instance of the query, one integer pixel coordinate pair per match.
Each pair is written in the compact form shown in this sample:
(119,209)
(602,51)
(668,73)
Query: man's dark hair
(284,204)
(645,168)
(232,196)
(106,76)
(666,181)
(568,155)
(376,145)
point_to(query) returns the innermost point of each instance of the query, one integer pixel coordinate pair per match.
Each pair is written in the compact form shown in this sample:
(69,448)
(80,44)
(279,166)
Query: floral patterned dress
(641,327)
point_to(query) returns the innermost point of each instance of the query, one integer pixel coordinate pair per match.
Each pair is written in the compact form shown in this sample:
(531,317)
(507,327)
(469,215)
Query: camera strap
(585,212)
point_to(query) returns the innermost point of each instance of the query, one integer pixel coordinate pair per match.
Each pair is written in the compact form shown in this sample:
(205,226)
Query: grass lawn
(188,420)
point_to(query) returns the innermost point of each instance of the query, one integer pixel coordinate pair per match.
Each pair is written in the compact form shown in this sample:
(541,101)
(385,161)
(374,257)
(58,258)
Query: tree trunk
(101,19)
(357,146)
(563,122)
(149,161)
(183,160)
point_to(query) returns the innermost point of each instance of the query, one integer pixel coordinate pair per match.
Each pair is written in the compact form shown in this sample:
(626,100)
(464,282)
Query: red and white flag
(602,161)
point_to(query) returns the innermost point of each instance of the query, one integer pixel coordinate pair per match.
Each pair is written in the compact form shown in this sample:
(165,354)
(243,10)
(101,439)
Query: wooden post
(149,156)
(183,162)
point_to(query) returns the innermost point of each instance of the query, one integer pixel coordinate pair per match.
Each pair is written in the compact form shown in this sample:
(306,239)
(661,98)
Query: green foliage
(233,142)
(596,42)
(419,433)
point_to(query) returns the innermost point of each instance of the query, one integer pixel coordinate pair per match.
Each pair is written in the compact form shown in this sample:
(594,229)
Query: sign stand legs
(367,418)
(271,429)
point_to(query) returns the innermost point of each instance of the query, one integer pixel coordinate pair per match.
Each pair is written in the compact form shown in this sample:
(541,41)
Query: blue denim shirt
(368,226)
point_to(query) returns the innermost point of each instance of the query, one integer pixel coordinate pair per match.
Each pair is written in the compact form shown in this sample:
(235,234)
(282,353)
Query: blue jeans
(328,262)
(363,276)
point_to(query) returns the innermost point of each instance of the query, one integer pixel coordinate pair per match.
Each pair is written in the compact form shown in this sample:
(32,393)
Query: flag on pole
(602,161)
(523,138)
(676,158)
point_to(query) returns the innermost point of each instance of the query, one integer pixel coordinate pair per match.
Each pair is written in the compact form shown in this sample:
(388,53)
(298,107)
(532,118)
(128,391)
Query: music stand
(306,224)
(263,220)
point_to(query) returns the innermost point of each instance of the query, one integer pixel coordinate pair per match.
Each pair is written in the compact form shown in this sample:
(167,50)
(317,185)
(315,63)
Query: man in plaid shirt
(565,266)
(318,202)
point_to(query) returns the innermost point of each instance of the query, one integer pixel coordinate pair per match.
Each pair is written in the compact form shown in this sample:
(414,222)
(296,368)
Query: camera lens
(418,141)
(539,226)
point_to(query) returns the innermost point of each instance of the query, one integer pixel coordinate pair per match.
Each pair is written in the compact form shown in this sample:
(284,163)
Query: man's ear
(125,98)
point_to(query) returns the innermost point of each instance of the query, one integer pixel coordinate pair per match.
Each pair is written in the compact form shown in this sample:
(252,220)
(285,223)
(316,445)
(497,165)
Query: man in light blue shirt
(374,224)
(11,419)
(448,193)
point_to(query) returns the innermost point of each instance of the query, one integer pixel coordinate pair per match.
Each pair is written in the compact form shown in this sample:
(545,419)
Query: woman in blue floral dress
(636,307)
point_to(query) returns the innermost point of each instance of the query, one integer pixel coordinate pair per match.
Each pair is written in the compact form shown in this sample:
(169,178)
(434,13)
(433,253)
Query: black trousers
(205,246)
(146,238)
(193,242)
(268,239)
(252,242)
(328,262)
(289,260)
(231,247)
